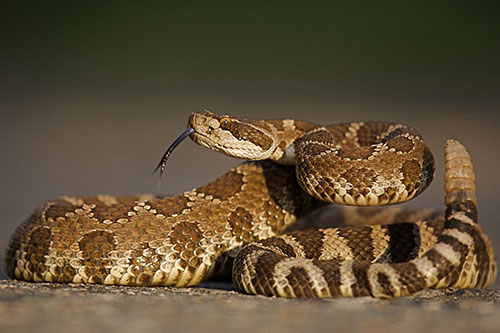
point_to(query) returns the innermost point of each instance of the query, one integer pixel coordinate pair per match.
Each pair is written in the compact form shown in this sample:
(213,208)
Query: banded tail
(462,256)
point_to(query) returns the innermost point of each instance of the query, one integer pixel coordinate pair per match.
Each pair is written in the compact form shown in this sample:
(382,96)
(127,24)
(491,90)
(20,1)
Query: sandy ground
(27,307)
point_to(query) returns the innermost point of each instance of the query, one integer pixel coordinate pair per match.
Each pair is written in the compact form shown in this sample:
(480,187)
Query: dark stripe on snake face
(246,132)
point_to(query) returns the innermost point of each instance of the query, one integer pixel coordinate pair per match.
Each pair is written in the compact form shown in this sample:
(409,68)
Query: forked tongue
(163,161)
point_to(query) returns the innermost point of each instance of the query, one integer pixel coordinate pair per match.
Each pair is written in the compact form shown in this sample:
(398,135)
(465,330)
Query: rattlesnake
(184,239)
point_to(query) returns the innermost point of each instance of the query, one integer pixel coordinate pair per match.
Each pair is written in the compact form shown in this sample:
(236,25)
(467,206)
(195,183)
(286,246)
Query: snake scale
(294,168)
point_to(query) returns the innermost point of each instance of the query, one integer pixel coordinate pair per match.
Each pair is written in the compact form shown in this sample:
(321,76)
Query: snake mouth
(206,141)
(199,137)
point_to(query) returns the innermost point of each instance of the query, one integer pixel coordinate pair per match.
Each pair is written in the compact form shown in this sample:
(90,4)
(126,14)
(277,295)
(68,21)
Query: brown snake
(184,239)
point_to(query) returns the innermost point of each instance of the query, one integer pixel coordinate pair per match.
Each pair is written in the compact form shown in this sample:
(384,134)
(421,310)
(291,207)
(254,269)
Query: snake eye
(225,121)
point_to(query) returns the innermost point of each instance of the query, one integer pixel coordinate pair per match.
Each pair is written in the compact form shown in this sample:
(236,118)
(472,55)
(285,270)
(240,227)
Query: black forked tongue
(163,161)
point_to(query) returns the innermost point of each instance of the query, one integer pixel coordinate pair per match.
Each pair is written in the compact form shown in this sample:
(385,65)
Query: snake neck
(288,133)
(249,139)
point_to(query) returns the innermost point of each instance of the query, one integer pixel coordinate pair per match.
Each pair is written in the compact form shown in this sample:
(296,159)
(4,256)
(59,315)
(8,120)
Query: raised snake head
(237,137)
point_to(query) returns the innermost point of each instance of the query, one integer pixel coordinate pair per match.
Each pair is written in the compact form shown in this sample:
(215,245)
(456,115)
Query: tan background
(91,96)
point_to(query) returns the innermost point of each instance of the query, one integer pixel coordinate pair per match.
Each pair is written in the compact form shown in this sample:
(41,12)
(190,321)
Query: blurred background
(91,94)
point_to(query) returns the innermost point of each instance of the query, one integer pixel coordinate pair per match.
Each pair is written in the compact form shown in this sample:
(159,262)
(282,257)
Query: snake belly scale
(294,168)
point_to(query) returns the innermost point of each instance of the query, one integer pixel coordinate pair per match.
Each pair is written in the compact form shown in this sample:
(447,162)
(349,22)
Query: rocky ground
(215,307)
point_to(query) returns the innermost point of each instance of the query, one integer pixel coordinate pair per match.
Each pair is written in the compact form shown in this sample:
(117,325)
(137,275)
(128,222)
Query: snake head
(237,137)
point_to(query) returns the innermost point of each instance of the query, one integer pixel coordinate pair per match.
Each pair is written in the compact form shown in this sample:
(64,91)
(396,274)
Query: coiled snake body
(184,239)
